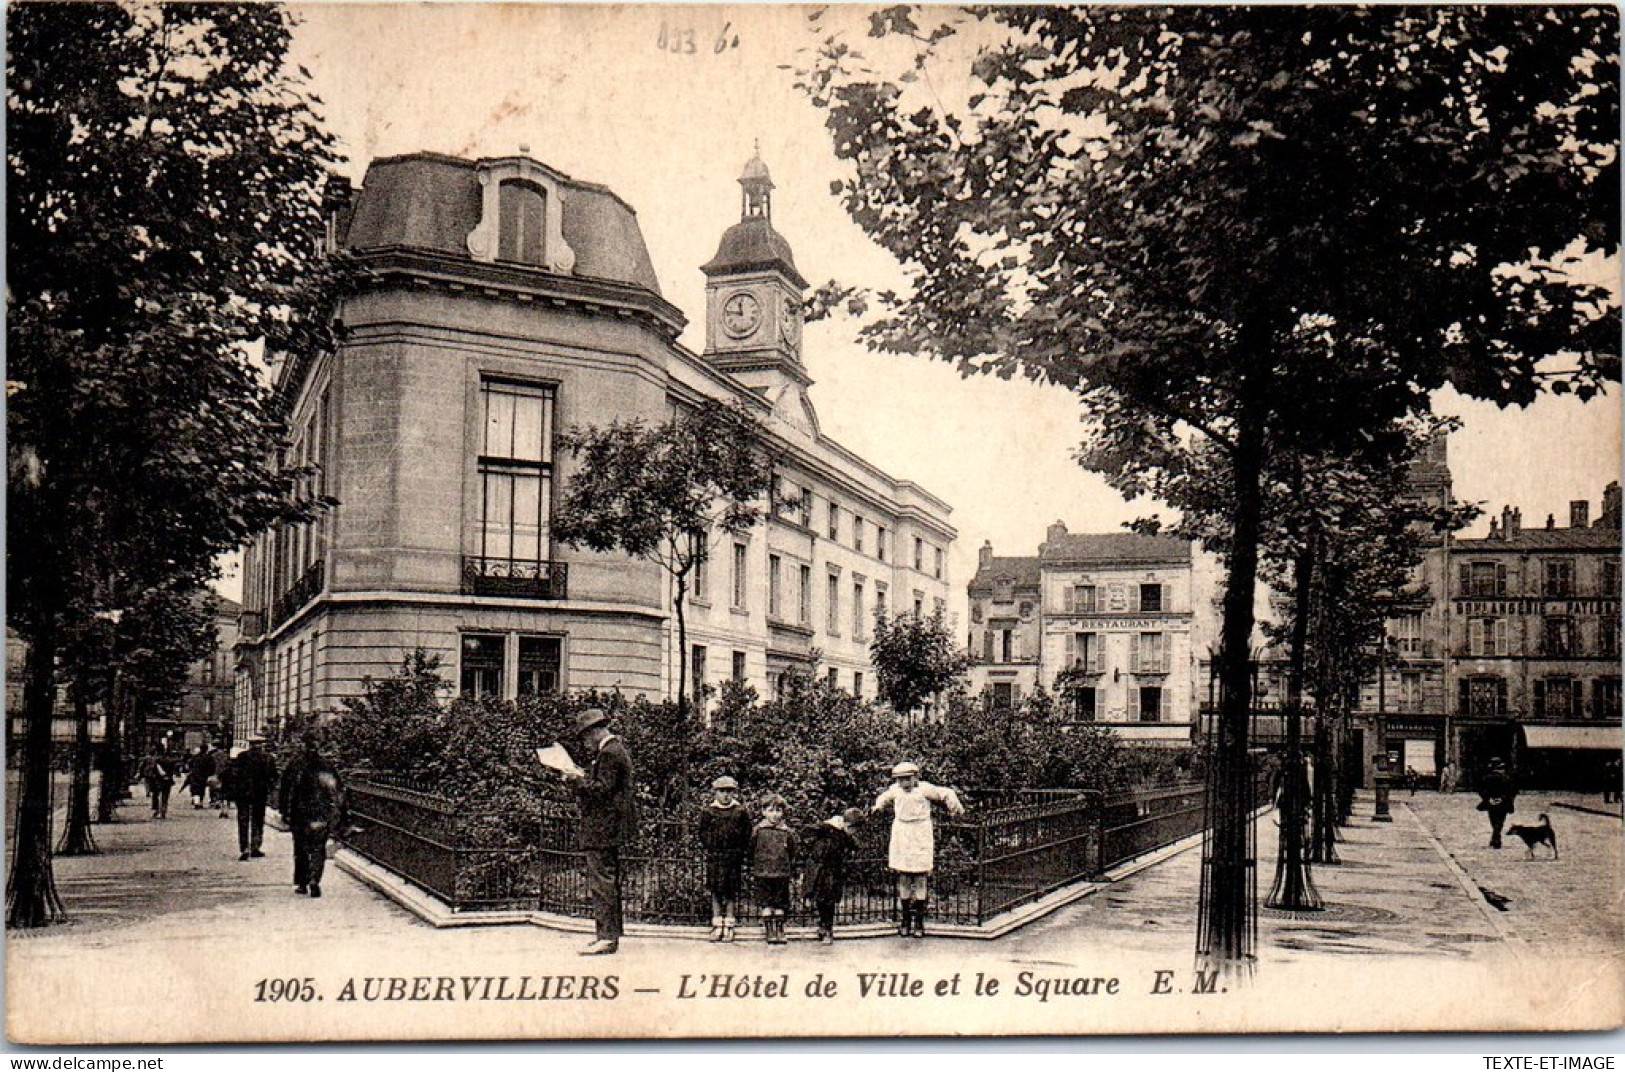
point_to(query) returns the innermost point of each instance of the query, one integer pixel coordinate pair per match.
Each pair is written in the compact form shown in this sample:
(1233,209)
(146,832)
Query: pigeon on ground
(1495,899)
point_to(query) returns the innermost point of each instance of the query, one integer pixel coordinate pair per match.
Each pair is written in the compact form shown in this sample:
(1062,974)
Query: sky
(614,96)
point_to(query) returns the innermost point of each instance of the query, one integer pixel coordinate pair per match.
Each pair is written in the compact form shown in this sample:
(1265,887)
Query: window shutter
(1097,652)
(1540,696)
(1466,579)
(1134,598)
(987,646)
(1133,653)
(1071,650)
(1015,694)
(1475,636)
(1133,703)
(1500,636)
(1464,702)
(1500,580)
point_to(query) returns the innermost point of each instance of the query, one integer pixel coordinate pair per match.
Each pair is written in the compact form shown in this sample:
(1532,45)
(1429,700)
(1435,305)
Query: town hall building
(505,301)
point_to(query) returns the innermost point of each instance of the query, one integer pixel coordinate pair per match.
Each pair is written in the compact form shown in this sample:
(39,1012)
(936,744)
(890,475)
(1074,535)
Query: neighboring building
(1114,609)
(1405,711)
(1507,646)
(202,711)
(204,714)
(507,300)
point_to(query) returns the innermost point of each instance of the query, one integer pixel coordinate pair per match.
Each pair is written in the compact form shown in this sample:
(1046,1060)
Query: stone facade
(1507,646)
(1114,613)
(507,301)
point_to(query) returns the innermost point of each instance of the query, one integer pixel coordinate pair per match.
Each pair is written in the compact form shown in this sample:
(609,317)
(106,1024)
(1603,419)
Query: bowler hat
(902,770)
(589,718)
(724,782)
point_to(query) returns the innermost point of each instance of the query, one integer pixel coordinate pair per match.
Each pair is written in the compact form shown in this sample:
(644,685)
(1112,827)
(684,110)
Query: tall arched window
(522,222)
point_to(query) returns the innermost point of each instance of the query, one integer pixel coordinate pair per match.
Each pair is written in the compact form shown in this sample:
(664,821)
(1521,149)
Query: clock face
(741,315)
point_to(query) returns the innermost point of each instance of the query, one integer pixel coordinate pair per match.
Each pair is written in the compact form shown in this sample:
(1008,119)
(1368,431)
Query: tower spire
(758,187)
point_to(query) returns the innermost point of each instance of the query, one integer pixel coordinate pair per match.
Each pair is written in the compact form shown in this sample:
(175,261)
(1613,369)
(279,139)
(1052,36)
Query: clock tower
(753,295)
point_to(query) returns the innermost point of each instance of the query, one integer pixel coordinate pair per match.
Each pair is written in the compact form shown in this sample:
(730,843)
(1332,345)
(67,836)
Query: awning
(1606,738)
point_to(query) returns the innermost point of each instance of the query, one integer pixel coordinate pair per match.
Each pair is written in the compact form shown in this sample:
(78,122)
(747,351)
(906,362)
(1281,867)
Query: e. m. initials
(1204,983)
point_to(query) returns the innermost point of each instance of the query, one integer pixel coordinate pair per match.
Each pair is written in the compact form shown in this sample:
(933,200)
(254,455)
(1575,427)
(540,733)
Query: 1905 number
(285,990)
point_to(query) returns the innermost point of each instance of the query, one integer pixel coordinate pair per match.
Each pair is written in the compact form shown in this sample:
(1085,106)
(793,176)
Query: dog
(1542,834)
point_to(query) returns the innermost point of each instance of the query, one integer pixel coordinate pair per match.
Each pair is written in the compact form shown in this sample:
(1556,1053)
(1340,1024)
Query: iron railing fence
(1011,848)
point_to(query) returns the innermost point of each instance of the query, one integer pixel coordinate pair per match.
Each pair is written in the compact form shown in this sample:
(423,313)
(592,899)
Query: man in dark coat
(608,821)
(311,800)
(253,778)
(1497,794)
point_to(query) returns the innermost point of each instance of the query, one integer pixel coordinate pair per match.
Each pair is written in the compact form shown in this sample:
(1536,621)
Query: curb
(1468,886)
(436,913)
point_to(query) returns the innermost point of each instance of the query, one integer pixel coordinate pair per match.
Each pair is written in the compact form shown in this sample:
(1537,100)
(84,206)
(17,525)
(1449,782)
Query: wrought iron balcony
(514,577)
(306,588)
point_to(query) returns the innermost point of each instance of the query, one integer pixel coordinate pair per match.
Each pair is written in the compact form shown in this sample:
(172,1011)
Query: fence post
(981,872)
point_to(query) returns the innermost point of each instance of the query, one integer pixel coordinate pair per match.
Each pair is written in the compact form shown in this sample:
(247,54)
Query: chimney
(1610,506)
(984,557)
(1579,513)
(1495,529)
(1055,532)
(1551,522)
(1517,521)
(1509,523)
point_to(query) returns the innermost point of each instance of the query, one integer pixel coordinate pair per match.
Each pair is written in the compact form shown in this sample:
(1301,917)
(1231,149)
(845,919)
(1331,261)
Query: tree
(662,492)
(915,658)
(165,171)
(1158,208)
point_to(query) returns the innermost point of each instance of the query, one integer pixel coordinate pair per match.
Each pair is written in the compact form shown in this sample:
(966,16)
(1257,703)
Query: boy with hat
(830,845)
(772,852)
(604,791)
(724,830)
(912,852)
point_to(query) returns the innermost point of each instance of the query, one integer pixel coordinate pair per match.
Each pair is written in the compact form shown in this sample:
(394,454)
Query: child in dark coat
(830,845)
(724,829)
(772,852)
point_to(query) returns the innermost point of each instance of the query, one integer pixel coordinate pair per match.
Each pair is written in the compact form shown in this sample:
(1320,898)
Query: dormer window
(521,216)
(522,230)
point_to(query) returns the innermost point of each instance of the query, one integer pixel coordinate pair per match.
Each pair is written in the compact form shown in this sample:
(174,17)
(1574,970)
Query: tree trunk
(111,756)
(1227,919)
(31,897)
(76,838)
(681,577)
(1294,886)
(1328,779)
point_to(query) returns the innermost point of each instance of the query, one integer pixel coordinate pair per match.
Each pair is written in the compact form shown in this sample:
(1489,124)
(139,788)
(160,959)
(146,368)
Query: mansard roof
(431,201)
(1112,549)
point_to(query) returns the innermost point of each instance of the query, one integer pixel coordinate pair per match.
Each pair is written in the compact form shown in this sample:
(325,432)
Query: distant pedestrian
(1610,783)
(830,846)
(311,801)
(253,780)
(772,856)
(724,831)
(1497,794)
(221,759)
(158,775)
(913,850)
(608,821)
(198,773)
